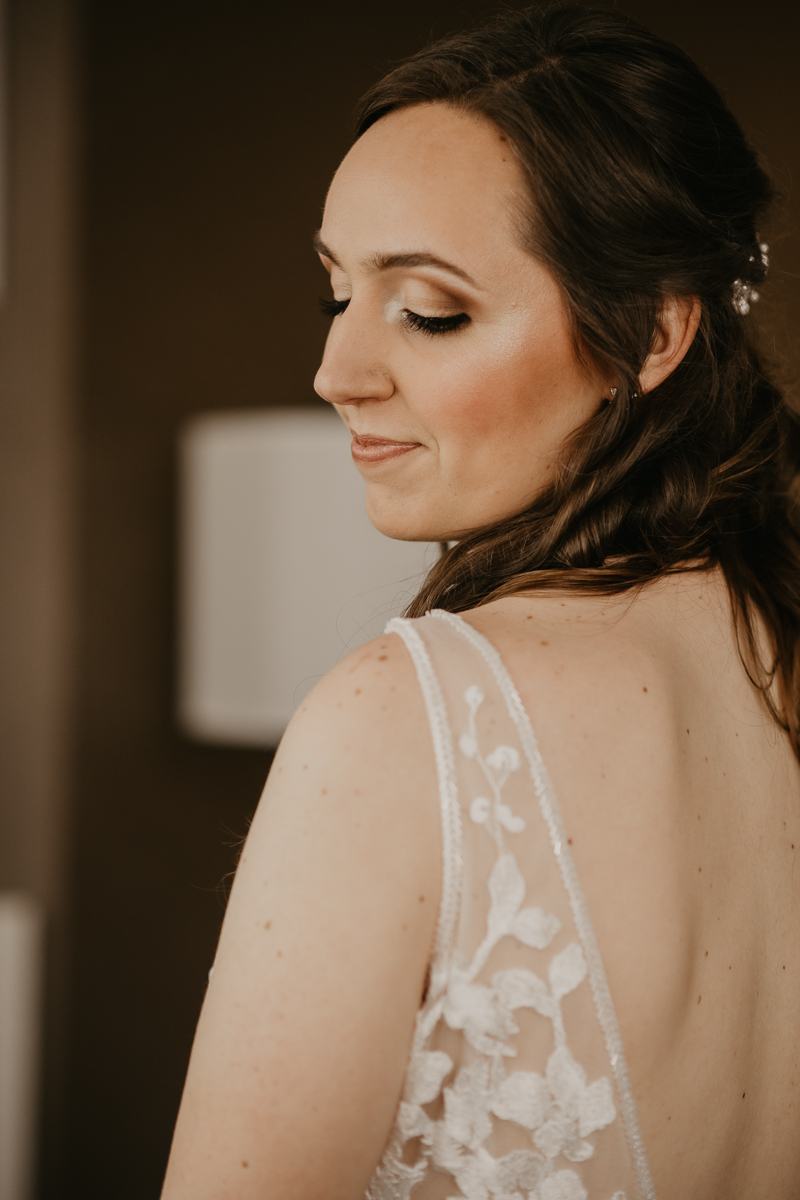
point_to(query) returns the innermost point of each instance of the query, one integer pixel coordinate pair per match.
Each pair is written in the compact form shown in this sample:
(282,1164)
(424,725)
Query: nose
(352,368)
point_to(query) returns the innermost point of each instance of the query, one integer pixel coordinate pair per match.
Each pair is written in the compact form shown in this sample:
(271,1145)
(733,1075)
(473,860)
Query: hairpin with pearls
(743,293)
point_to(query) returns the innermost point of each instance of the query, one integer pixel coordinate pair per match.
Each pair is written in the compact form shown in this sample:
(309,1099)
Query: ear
(675,332)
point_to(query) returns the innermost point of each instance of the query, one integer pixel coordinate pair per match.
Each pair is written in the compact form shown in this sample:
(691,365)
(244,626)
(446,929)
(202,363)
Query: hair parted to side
(642,186)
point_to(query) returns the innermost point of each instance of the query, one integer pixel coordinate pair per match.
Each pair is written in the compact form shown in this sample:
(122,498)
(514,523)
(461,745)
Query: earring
(614,393)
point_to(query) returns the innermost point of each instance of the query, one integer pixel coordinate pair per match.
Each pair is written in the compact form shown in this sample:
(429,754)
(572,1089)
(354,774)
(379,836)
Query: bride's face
(451,359)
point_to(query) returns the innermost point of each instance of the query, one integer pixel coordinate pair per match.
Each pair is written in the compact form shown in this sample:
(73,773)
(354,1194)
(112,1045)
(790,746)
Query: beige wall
(36,437)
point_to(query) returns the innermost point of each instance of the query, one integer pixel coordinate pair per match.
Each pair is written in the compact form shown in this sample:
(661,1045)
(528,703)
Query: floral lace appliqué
(558,1110)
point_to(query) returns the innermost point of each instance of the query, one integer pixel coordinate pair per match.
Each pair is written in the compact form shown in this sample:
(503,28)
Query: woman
(543,251)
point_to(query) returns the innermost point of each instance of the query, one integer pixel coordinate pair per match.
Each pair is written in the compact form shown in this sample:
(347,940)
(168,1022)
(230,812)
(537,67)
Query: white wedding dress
(517,1087)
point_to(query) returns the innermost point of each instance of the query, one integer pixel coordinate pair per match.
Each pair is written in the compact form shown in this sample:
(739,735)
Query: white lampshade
(281,571)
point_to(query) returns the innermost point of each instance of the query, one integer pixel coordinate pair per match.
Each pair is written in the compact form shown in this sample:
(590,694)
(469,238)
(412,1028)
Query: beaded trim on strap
(452,861)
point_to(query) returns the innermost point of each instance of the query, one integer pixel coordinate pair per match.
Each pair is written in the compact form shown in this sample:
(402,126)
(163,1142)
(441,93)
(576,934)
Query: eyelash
(332,308)
(434,324)
(430,325)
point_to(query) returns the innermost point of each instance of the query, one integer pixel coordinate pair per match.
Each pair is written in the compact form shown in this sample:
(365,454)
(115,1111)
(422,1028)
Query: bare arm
(303,1041)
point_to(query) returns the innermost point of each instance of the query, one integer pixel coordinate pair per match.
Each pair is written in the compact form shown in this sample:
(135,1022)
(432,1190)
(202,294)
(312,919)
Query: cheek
(495,390)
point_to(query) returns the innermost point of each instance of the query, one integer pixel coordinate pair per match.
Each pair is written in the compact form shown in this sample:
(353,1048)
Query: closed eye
(415,321)
(332,308)
(434,324)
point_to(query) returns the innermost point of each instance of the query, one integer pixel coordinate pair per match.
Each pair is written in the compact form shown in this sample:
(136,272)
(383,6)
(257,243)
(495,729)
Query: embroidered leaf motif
(558,1135)
(481,1175)
(523,1097)
(596,1107)
(466,1106)
(535,927)
(478,1010)
(520,988)
(503,759)
(447,1153)
(576,1150)
(479,810)
(563,1185)
(468,745)
(503,1176)
(507,889)
(576,1111)
(426,1071)
(519,1169)
(413,1122)
(508,820)
(558,1110)
(469,1178)
(567,970)
(566,1080)
(395,1179)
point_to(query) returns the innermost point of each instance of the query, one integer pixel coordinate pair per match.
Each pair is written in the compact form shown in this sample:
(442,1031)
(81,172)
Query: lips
(366,448)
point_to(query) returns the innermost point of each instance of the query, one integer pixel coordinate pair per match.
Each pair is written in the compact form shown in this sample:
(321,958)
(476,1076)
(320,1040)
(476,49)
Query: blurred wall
(37,460)
(210,133)
(36,441)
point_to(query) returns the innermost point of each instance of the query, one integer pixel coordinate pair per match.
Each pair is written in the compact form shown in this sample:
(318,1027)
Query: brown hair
(642,186)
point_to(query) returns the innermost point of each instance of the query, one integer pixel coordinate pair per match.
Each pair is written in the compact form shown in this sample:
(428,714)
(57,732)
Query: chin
(408,531)
(413,520)
(404,526)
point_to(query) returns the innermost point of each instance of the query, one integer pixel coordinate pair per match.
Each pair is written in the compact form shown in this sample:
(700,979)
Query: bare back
(681,798)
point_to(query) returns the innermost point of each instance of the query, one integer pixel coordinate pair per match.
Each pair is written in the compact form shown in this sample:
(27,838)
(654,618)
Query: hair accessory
(743,294)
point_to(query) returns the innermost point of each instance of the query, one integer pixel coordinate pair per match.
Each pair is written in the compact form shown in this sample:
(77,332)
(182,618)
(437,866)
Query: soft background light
(281,570)
(21,945)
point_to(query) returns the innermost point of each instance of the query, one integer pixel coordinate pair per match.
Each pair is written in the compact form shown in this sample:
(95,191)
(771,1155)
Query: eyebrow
(385,262)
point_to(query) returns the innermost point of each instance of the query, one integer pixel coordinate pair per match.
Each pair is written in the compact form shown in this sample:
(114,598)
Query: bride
(519,913)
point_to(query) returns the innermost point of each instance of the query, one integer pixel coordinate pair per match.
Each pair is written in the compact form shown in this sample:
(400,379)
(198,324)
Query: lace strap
(450,810)
(552,817)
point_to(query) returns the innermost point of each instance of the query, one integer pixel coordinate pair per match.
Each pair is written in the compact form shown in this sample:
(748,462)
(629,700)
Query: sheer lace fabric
(516,1087)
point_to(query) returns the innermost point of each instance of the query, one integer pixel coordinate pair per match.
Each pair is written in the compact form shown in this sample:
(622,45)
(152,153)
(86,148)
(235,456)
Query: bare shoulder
(357,764)
(362,736)
(306,1028)
(373,689)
